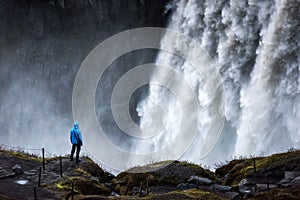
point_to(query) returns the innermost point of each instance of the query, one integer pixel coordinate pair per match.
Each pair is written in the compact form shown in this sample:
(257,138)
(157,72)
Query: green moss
(168,180)
(278,160)
(150,167)
(186,194)
(198,170)
(90,187)
(82,186)
(168,173)
(278,194)
(65,184)
(21,155)
(2,197)
(275,165)
(91,168)
(81,171)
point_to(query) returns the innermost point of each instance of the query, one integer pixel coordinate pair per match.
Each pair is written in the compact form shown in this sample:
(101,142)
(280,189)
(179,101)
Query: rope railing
(86,152)
(43,151)
(32,151)
(95,159)
(19,148)
(50,154)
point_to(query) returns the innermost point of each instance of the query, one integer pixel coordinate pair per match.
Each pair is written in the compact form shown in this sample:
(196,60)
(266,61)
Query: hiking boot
(77,161)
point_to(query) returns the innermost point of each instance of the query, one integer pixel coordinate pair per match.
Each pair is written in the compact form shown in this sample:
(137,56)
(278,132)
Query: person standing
(76,140)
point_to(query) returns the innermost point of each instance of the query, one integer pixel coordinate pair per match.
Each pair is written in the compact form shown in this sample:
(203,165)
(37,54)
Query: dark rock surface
(199,180)
(232,195)
(92,182)
(186,186)
(220,188)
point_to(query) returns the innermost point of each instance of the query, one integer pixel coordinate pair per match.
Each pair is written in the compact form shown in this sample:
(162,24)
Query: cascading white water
(256,48)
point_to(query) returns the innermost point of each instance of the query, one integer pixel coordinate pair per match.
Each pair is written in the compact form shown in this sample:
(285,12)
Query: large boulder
(246,186)
(275,166)
(232,195)
(288,177)
(199,180)
(166,173)
(220,188)
(264,187)
(90,187)
(295,183)
(4,172)
(186,186)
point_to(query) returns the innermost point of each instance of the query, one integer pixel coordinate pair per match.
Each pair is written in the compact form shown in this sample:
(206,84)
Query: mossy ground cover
(88,178)
(273,165)
(278,194)
(173,173)
(21,155)
(186,194)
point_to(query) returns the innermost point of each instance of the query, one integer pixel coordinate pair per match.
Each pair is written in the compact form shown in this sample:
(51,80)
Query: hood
(76,125)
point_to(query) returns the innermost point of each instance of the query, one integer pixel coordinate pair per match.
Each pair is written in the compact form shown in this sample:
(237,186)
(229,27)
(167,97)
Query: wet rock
(287,182)
(199,180)
(246,186)
(143,193)
(285,185)
(291,175)
(220,188)
(246,189)
(264,187)
(17,169)
(136,192)
(232,195)
(94,179)
(295,183)
(109,176)
(284,181)
(246,182)
(109,185)
(288,177)
(185,186)
(248,195)
(114,194)
(6,174)
(29,173)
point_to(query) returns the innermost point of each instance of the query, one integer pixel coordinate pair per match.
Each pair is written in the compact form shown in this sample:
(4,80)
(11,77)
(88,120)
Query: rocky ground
(273,177)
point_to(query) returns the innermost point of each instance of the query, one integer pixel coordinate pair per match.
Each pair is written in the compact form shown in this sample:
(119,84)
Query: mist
(42,45)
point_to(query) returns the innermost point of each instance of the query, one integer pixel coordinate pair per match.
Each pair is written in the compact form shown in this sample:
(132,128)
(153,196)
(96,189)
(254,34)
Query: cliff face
(42,46)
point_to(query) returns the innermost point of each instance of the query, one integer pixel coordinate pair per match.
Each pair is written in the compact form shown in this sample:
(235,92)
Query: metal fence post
(60,166)
(43,152)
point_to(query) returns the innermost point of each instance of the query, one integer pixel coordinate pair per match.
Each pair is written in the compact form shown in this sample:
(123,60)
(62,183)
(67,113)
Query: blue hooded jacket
(75,134)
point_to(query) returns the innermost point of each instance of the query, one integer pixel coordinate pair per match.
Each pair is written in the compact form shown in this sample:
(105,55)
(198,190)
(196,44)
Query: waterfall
(255,46)
(249,53)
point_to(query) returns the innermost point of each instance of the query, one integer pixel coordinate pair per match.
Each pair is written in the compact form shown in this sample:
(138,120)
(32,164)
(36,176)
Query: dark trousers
(77,147)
